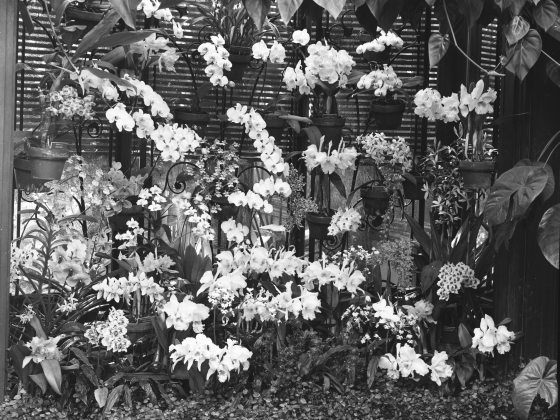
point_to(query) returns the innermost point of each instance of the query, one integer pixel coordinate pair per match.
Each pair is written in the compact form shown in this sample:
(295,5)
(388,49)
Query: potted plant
(379,50)
(469,109)
(391,159)
(87,12)
(326,72)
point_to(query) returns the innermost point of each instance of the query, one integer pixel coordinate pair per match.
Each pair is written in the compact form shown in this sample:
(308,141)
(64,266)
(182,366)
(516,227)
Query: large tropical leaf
(385,11)
(438,45)
(334,7)
(522,56)
(288,8)
(550,184)
(103,28)
(545,14)
(127,10)
(257,10)
(549,235)
(513,193)
(516,29)
(538,378)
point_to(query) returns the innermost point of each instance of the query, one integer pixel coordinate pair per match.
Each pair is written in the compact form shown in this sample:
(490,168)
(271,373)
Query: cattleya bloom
(439,368)
(422,309)
(345,220)
(301,37)
(410,362)
(43,349)
(477,100)
(389,363)
(488,337)
(180,315)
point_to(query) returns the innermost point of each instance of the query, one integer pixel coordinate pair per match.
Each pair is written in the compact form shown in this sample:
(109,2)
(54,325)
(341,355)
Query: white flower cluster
(382,81)
(345,220)
(151,198)
(153,262)
(24,256)
(235,232)
(181,315)
(151,8)
(255,127)
(217,60)
(323,64)
(130,237)
(386,151)
(68,305)
(408,362)
(111,333)
(27,315)
(268,307)
(431,105)
(42,349)
(343,158)
(174,141)
(384,40)
(67,103)
(268,187)
(276,53)
(488,337)
(251,199)
(124,289)
(301,37)
(342,276)
(454,276)
(201,349)
(197,213)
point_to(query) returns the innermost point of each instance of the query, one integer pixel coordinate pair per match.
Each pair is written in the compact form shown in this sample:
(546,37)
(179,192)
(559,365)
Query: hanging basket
(318,225)
(375,200)
(240,59)
(330,126)
(413,190)
(381,57)
(141,328)
(47,164)
(23,180)
(90,12)
(388,115)
(198,121)
(477,175)
(227,209)
(274,125)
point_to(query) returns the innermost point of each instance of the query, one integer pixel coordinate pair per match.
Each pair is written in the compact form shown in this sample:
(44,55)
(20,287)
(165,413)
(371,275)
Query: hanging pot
(477,175)
(240,59)
(47,164)
(90,12)
(141,328)
(198,121)
(375,200)
(381,57)
(227,209)
(387,115)
(413,190)
(274,125)
(23,180)
(318,225)
(330,126)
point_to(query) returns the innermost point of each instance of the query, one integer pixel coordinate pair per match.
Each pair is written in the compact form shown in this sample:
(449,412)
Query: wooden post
(8,52)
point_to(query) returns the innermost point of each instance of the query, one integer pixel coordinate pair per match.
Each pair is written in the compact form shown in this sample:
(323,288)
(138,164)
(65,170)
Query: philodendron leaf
(548,235)
(538,378)
(257,9)
(437,47)
(550,184)
(545,14)
(522,56)
(513,193)
(334,7)
(288,8)
(553,72)
(101,396)
(516,29)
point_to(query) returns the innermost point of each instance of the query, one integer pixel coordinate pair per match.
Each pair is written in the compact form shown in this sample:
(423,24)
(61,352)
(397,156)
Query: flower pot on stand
(23,180)
(477,175)
(318,225)
(240,59)
(375,200)
(388,115)
(198,121)
(330,126)
(47,164)
(274,125)
(413,190)
(381,57)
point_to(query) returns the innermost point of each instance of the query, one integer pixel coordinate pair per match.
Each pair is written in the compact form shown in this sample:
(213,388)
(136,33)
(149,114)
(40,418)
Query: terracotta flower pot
(330,126)
(47,164)
(274,125)
(388,115)
(375,200)
(413,190)
(240,59)
(318,225)
(198,121)
(382,57)
(477,175)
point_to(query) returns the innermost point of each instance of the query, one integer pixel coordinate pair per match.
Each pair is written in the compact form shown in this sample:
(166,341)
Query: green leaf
(554,30)
(257,10)
(513,193)
(522,56)
(112,399)
(437,47)
(385,11)
(40,380)
(464,369)
(516,29)
(545,14)
(429,275)
(548,235)
(101,396)
(372,370)
(334,7)
(124,38)
(550,184)
(337,182)
(419,234)
(465,338)
(288,8)
(127,10)
(53,373)
(103,28)
(553,72)
(538,378)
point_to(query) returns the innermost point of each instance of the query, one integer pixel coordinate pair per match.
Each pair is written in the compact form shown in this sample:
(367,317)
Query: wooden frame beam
(8,54)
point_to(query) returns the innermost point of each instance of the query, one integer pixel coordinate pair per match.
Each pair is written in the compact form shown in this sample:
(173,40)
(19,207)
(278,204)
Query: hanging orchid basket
(330,126)
(90,12)
(198,121)
(47,163)
(375,200)
(240,59)
(477,175)
(388,114)
(318,225)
